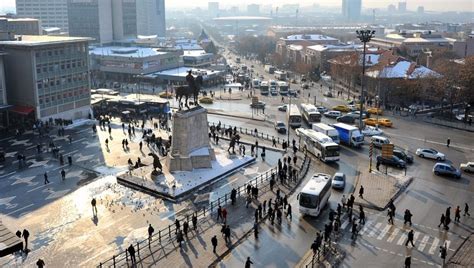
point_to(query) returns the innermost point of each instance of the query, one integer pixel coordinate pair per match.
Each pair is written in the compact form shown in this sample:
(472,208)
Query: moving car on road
(341,108)
(468,167)
(332,114)
(374,110)
(328,94)
(404,156)
(322,109)
(356,114)
(446,169)
(378,141)
(371,122)
(283,108)
(280,127)
(391,161)
(339,180)
(430,153)
(372,131)
(346,119)
(385,122)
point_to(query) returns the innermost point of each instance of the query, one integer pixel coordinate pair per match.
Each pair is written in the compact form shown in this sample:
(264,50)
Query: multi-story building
(48,76)
(197,58)
(318,56)
(351,9)
(213,9)
(290,46)
(91,18)
(123,63)
(3,95)
(25,26)
(402,7)
(253,10)
(124,19)
(151,17)
(51,13)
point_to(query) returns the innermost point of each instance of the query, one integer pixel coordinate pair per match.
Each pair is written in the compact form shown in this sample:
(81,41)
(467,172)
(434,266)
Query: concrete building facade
(48,75)
(124,19)
(351,9)
(91,18)
(151,17)
(25,26)
(51,13)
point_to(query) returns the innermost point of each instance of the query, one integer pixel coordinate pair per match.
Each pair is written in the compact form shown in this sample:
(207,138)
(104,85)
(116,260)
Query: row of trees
(261,46)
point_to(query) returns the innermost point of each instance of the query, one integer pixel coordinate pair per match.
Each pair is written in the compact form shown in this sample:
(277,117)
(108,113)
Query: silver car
(339,180)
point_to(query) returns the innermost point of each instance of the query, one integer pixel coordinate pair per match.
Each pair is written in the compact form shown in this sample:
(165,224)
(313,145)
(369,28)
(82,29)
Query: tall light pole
(364,36)
(289,113)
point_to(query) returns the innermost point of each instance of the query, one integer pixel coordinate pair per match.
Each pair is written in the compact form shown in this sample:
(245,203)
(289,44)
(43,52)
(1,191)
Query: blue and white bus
(315,194)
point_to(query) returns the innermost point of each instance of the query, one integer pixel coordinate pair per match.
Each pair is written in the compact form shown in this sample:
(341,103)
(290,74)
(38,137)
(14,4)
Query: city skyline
(435,5)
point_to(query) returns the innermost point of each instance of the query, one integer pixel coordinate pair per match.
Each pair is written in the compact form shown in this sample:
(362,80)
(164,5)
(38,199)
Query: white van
(378,141)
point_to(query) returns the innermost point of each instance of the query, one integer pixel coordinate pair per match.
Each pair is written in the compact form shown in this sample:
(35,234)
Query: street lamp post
(364,36)
(289,113)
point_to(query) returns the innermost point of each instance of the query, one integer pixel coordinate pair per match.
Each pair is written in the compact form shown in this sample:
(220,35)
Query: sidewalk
(464,256)
(379,188)
(197,249)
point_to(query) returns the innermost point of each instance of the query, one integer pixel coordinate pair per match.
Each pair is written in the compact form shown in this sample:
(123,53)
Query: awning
(23,110)
(9,242)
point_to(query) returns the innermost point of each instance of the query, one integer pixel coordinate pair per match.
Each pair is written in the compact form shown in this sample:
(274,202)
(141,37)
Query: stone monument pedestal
(190,147)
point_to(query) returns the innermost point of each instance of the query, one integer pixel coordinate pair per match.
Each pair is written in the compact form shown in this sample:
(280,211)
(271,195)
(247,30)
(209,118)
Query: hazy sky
(436,5)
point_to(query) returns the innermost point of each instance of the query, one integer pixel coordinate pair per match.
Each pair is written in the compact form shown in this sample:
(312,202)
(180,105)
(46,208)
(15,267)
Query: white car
(372,131)
(430,153)
(332,114)
(468,167)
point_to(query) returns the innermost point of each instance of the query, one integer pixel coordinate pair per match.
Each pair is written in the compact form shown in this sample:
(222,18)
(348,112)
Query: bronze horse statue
(192,89)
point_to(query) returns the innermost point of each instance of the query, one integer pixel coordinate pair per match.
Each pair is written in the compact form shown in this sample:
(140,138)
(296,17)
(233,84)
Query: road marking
(447,245)
(423,242)
(374,230)
(79,140)
(402,239)
(20,209)
(393,235)
(415,237)
(6,175)
(434,246)
(344,225)
(366,227)
(384,232)
(36,188)
(71,152)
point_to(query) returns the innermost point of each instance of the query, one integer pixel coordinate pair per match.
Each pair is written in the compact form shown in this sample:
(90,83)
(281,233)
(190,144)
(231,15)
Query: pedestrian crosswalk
(397,235)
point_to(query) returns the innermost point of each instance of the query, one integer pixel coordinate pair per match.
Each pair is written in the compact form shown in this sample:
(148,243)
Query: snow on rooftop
(315,37)
(130,52)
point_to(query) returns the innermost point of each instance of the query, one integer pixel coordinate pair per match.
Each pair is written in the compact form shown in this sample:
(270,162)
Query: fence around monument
(168,235)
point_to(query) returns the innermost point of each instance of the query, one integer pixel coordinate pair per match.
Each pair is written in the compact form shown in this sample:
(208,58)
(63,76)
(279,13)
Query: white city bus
(294,116)
(283,88)
(315,194)
(310,113)
(328,130)
(264,88)
(319,144)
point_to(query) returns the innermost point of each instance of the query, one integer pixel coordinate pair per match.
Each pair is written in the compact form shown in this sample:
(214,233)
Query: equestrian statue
(192,89)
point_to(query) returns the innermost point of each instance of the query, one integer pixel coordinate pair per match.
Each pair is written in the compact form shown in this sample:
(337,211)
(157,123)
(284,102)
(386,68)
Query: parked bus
(315,194)
(283,88)
(280,75)
(328,130)
(310,113)
(264,89)
(319,144)
(294,116)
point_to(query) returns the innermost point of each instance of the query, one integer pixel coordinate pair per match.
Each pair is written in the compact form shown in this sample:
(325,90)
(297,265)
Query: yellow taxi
(341,108)
(206,100)
(370,121)
(375,110)
(166,95)
(385,122)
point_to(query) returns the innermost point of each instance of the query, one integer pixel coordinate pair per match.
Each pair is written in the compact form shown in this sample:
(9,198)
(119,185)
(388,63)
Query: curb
(176,198)
(401,189)
(236,116)
(457,250)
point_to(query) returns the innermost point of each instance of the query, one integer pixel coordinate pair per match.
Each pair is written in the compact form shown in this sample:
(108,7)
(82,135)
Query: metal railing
(168,235)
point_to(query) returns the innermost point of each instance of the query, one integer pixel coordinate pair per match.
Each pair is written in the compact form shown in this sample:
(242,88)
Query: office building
(253,10)
(421,10)
(391,8)
(151,17)
(51,13)
(48,76)
(3,95)
(26,26)
(402,7)
(213,9)
(91,18)
(351,9)
(124,19)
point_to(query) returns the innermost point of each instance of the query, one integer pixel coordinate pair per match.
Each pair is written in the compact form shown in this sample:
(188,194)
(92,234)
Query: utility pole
(365,36)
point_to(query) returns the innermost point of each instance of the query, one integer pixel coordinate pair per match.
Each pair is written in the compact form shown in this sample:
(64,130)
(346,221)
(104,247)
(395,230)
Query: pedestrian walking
(457,214)
(151,230)
(407,217)
(343,201)
(94,207)
(362,217)
(288,212)
(46,181)
(140,145)
(442,220)
(214,243)
(63,174)
(361,192)
(354,230)
(179,238)
(272,182)
(194,221)
(227,234)
(233,196)
(224,214)
(131,251)
(40,263)
(407,261)
(248,263)
(352,199)
(255,229)
(185,228)
(448,142)
(410,239)
(177,225)
(390,216)
(26,235)
(219,213)
(260,211)
(466,210)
